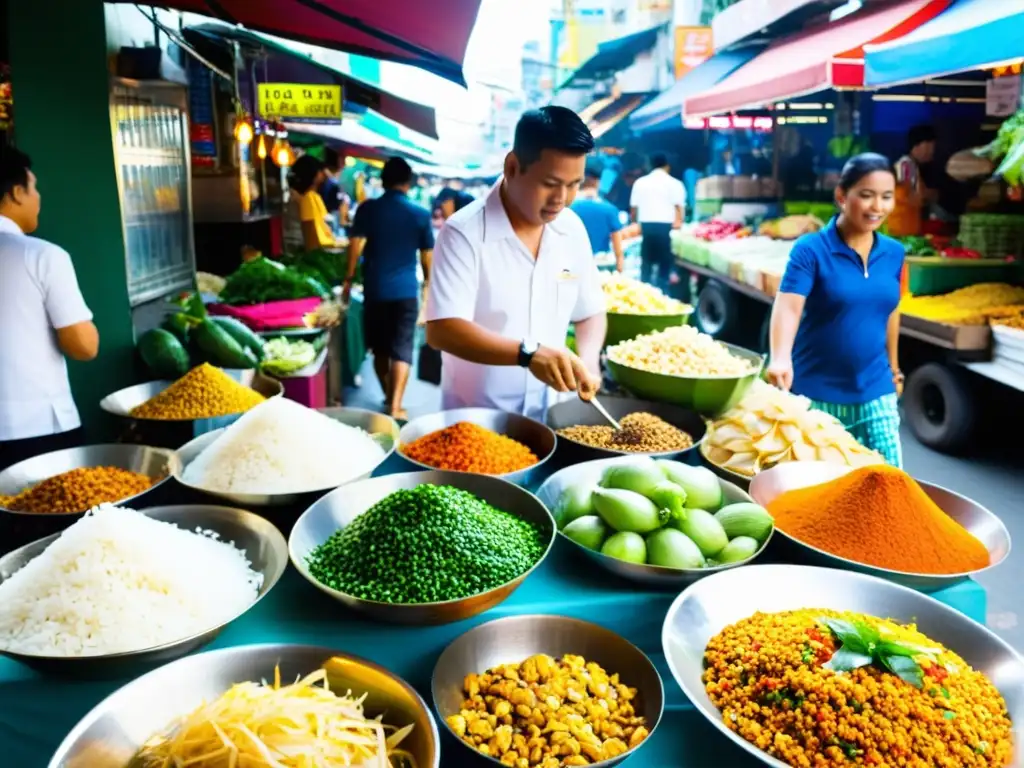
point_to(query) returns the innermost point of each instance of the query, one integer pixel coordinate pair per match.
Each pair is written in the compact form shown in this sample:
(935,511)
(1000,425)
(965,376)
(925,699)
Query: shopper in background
(449,200)
(600,218)
(657,202)
(913,196)
(305,216)
(335,200)
(835,324)
(512,270)
(43,319)
(388,233)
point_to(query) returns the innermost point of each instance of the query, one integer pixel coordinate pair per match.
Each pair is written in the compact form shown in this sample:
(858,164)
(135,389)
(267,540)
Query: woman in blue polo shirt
(835,323)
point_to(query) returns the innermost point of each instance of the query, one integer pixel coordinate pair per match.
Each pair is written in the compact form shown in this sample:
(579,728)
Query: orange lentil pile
(78,490)
(466,447)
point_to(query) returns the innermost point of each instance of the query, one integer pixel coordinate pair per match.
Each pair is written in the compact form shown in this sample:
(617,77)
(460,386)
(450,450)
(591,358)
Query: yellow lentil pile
(545,713)
(679,351)
(767,676)
(640,433)
(78,490)
(203,393)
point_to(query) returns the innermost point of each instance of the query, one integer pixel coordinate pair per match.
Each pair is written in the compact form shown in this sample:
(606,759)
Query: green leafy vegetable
(262,280)
(862,645)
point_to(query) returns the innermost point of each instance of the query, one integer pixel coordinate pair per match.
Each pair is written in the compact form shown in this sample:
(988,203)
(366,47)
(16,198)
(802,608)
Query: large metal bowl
(709,395)
(383,429)
(112,733)
(709,606)
(339,508)
(623,327)
(534,435)
(575,412)
(174,432)
(263,544)
(980,522)
(516,638)
(652,575)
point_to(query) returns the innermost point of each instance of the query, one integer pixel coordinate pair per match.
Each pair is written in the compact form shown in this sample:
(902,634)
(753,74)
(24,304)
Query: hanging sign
(299,102)
(1002,95)
(694,46)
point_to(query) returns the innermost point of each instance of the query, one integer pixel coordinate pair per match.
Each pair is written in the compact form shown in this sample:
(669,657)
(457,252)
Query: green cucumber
(179,325)
(220,348)
(163,354)
(241,333)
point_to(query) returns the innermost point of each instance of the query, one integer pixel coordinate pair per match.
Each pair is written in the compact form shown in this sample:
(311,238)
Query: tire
(717,310)
(939,408)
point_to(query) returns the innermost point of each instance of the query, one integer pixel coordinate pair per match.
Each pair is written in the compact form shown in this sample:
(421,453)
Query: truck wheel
(717,309)
(939,408)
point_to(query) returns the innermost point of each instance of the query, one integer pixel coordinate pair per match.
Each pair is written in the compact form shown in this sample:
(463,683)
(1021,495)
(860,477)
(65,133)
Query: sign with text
(1002,95)
(297,101)
(694,46)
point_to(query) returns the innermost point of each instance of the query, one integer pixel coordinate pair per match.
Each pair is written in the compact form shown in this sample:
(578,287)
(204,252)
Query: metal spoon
(608,417)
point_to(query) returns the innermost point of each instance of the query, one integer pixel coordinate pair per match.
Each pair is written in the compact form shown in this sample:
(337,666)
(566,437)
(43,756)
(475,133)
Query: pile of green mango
(663,513)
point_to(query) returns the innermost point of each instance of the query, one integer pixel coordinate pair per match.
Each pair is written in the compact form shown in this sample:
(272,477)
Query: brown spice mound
(640,433)
(878,515)
(78,490)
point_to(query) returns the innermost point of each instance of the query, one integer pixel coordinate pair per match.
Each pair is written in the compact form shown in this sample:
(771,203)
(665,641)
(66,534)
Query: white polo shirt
(655,197)
(38,293)
(483,273)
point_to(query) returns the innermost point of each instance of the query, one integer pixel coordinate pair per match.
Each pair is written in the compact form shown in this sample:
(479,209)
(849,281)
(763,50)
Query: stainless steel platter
(383,429)
(111,734)
(514,639)
(653,575)
(534,435)
(985,526)
(265,549)
(339,508)
(709,606)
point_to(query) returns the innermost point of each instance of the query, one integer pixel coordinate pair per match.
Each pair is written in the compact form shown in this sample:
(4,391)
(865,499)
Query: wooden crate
(957,337)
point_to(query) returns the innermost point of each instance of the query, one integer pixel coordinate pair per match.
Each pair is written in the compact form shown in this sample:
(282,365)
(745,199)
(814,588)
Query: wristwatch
(527,349)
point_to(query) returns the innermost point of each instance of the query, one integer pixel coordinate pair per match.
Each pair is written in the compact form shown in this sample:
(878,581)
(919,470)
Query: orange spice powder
(467,447)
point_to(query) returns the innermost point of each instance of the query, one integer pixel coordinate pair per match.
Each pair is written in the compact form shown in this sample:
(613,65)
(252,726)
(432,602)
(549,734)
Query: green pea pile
(426,545)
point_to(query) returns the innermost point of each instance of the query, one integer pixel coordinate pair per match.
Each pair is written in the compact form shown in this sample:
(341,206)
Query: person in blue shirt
(600,218)
(835,324)
(388,233)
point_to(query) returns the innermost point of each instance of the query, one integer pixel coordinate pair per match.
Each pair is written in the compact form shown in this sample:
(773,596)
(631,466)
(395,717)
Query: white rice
(283,447)
(118,581)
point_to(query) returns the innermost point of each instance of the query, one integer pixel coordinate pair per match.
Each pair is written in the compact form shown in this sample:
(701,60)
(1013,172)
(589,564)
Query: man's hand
(898,379)
(563,371)
(780,373)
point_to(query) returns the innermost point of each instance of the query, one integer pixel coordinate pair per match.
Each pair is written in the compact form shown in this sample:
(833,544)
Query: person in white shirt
(43,317)
(657,202)
(511,271)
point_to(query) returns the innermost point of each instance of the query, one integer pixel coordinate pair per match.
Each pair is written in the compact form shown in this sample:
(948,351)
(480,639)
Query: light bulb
(261,147)
(243,131)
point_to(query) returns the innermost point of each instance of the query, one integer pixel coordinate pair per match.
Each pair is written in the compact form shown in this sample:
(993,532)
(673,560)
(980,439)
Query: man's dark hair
(396,173)
(659,160)
(457,196)
(919,134)
(14,168)
(592,175)
(303,173)
(331,158)
(556,128)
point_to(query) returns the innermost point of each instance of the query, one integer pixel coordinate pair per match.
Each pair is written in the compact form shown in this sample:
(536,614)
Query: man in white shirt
(43,317)
(657,203)
(512,271)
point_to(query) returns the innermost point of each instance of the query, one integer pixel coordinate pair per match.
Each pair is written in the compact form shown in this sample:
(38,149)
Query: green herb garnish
(862,645)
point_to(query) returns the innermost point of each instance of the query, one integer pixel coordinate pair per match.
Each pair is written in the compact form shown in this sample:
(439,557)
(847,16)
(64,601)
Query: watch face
(530,347)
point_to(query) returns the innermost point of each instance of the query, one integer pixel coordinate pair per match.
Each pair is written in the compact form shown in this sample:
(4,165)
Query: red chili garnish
(871,760)
(755,647)
(725,685)
(819,716)
(815,635)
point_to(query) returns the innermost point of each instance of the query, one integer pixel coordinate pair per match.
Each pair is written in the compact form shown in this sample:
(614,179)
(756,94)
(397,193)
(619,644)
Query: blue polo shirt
(840,351)
(396,230)
(601,220)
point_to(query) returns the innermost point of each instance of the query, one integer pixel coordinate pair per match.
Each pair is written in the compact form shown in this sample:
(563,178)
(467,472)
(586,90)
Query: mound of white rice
(118,581)
(283,447)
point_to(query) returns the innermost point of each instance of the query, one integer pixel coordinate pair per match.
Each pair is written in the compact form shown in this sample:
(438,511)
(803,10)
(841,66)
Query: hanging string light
(243,128)
(282,153)
(261,146)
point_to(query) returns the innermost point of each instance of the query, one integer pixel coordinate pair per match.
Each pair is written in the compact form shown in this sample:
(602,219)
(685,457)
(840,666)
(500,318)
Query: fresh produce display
(242,334)
(283,357)
(118,581)
(717,229)
(548,713)
(78,490)
(204,392)
(662,513)
(879,516)
(269,725)
(1013,320)
(679,351)
(1008,149)
(163,353)
(790,227)
(919,245)
(770,426)
(817,687)
(261,280)
(640,433)
(327,267)
(282,447)
(626,296)
(209,283)
(467,447)
(426,545)
(973,305)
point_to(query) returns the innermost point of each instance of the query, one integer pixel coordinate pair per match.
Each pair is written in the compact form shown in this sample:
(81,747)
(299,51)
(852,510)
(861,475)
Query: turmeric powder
(878,515)
(468,447)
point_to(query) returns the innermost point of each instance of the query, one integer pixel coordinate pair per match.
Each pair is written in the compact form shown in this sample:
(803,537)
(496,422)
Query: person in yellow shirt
(305,222)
